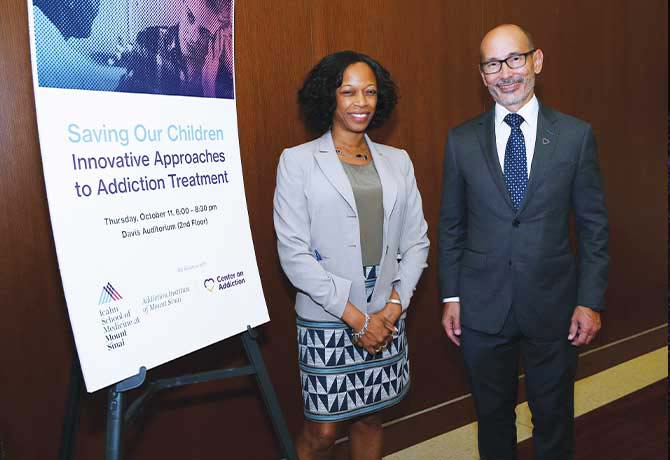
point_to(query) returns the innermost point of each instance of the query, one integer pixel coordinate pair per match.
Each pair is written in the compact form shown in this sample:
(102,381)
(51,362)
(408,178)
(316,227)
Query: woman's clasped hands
(380,330)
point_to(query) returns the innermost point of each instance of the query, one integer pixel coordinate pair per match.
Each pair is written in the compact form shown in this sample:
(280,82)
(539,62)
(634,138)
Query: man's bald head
(506,32)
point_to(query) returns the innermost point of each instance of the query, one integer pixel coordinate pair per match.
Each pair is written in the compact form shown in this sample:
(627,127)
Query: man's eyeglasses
(515,61)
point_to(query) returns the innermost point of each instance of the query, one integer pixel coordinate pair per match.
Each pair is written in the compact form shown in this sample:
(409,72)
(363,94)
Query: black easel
(116,420)
(71,419)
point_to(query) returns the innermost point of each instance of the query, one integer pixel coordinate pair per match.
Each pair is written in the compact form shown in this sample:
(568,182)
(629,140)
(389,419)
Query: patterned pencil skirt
(340,380)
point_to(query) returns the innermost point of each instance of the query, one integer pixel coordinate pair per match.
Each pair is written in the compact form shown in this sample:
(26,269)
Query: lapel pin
(545,141)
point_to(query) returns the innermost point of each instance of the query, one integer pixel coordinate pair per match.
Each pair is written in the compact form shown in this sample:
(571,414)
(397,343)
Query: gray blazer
(317,228)
(494,257)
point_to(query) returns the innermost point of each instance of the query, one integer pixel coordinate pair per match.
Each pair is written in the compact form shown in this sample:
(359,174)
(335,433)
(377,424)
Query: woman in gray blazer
(353,241)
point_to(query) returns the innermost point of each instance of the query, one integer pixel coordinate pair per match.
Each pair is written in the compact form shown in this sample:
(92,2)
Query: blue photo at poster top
(171,47)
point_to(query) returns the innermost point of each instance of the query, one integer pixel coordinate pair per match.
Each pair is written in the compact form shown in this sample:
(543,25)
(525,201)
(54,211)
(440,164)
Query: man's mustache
(509,81)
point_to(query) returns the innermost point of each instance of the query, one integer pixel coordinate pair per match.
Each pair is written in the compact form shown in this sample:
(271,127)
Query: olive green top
(367,190)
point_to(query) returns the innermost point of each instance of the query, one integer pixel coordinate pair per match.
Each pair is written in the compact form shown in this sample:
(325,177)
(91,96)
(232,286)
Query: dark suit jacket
(492,256)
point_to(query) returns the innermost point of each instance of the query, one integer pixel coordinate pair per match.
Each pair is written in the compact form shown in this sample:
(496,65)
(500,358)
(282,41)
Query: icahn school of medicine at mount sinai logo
(109,294)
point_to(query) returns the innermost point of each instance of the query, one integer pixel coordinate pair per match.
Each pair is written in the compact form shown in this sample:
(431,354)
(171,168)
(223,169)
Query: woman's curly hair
(317,95)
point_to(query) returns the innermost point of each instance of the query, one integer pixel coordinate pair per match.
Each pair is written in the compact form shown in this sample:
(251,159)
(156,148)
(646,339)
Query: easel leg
(114,425)
(114,443)
(268,392)
(71,420)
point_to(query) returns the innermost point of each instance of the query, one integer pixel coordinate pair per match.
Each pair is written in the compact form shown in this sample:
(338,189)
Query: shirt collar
(528,112)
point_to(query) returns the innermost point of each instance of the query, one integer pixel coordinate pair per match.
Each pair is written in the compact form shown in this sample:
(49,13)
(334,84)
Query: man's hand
(451,321)
(584,326)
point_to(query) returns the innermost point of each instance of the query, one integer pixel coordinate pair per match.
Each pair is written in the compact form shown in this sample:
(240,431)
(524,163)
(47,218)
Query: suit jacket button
(515,223)
(509,263)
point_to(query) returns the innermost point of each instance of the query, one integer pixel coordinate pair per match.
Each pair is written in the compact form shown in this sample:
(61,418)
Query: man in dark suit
(511,287)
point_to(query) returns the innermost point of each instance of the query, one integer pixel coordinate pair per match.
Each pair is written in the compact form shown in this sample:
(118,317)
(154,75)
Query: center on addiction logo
(223,282)
(209,284)
(109,294)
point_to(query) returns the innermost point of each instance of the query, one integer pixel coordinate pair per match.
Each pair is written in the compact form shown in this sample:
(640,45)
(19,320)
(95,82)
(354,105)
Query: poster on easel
(137,125)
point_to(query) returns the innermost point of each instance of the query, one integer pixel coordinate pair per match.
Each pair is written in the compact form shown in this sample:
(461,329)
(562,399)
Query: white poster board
(144,181)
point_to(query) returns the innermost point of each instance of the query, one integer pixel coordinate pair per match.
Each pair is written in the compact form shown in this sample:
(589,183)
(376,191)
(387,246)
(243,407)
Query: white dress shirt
(529,113)
(528,128)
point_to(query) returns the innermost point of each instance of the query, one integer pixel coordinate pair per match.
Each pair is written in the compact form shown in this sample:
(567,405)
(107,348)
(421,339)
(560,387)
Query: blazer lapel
(487,142)
(332,169)
(545,144)
(389,185)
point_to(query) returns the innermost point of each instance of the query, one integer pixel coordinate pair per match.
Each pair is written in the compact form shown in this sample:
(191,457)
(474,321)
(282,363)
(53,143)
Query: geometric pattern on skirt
(370,277)
(340,380)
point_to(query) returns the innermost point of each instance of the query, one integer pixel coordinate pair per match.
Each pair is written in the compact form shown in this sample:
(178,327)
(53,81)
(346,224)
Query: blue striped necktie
(516,173)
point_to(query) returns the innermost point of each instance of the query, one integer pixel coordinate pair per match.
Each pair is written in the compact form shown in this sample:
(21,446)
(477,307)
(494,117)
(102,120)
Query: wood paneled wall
(605,61)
